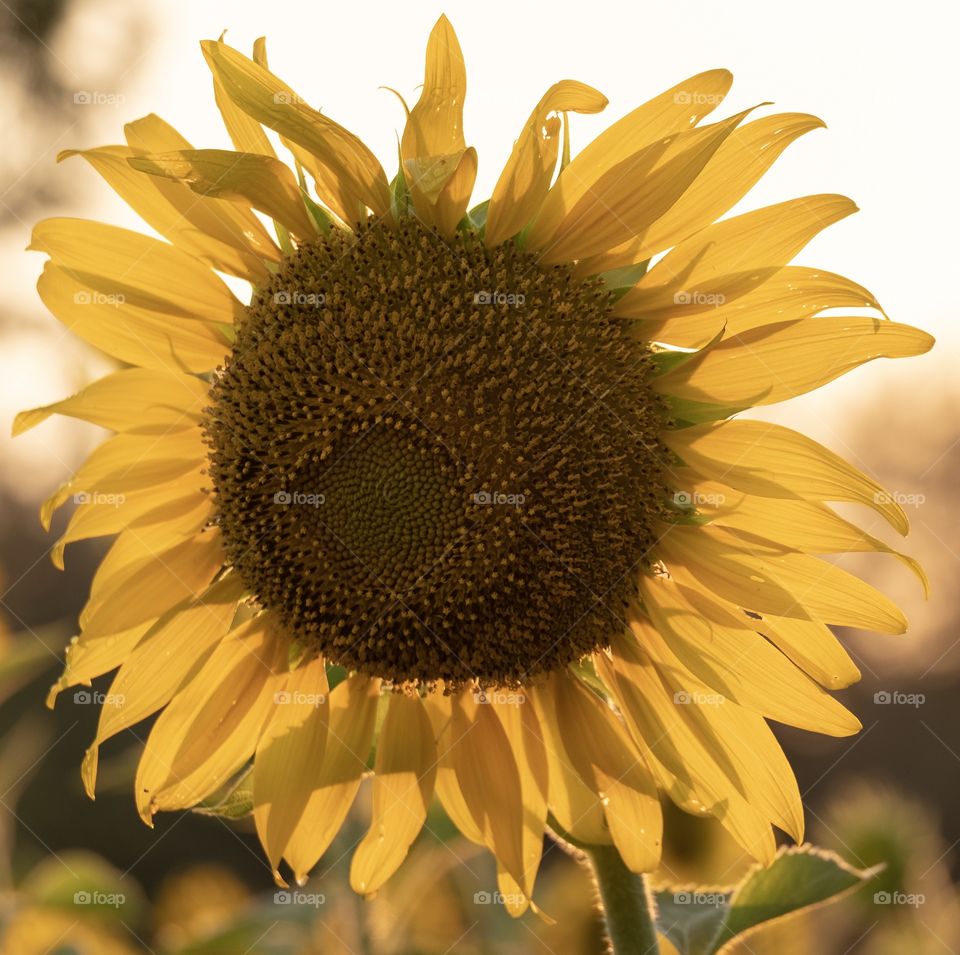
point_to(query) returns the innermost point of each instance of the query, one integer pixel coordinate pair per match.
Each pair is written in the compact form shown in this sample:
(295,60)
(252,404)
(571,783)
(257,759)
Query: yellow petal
(768,578)
(525,735)
(487,774)
(133,335)
(141,271)
(756,757)
(87,659)
(353,711)
(807,526)
(103,516)
(289,755)
(738,164)
(673,111)
(128,462)
(603,754)
(782,360)
(150,134)
(451,205)
(433,145)
(526,178)
(730,258)
(348,175)
(168,578)
(404,775)
(741,744)
(261,181)
(790,293)
(771,461)
(628,198)
(302,157)
(133,550)
(724,652)
(812,647)
(166,656)
(135,399)
(695,774)
(439,710)
(245,133)
(577,808)
(213,231)
(210,728)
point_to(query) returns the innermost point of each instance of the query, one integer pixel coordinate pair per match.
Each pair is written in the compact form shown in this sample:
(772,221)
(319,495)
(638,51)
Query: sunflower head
(402,472)
(456,497)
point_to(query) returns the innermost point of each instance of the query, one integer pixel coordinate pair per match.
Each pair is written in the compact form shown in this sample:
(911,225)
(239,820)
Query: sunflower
(456,498)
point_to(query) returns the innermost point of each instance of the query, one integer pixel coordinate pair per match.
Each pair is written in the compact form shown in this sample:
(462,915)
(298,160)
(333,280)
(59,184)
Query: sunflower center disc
(435,460)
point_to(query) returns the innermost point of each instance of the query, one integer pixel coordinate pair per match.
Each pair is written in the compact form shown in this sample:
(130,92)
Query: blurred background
(73,71)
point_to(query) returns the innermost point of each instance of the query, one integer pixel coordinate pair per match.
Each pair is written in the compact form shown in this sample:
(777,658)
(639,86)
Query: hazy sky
(879,74)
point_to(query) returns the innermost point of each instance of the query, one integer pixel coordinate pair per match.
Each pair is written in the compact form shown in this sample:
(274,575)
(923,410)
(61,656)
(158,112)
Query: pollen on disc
(434,460)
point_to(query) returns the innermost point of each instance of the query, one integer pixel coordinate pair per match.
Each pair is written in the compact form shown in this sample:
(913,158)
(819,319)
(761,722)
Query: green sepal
(586,672)
(477,217)
(669,359)
(336,674)
(622,280)
(685,412)
(401,201)
(233,801)
(283,237)
(321,220)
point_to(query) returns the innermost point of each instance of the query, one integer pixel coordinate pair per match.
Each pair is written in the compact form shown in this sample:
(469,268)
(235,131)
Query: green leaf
(705,921)
(690,917)
(235,801)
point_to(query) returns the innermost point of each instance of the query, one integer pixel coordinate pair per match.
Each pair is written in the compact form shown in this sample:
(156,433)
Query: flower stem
(627,907)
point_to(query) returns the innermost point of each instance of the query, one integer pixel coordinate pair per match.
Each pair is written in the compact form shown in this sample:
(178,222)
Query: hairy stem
(627,907)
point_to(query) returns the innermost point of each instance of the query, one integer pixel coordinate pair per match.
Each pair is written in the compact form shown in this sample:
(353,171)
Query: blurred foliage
(72,901)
